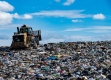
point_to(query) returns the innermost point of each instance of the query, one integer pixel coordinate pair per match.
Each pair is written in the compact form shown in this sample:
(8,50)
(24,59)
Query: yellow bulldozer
(25,38)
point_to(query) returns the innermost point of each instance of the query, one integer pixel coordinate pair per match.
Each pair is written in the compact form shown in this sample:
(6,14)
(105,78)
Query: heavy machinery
(25,38)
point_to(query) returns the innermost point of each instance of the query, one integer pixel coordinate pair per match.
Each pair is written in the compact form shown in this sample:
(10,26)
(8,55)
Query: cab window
(21,30)
(26,30)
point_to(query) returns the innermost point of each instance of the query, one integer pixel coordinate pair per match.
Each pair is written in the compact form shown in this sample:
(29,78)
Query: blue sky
(59,20)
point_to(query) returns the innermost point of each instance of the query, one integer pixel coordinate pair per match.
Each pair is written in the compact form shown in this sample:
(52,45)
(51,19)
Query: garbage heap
(58,61)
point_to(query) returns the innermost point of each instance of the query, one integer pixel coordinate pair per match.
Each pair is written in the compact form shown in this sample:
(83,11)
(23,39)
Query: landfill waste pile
(58,61)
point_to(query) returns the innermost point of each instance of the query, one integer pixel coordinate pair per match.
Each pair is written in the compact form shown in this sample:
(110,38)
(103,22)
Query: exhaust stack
(18,30)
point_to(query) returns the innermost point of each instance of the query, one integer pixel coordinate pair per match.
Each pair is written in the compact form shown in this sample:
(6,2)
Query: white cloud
(94,29)
(5,6)
(76,20)
(74,29)
(68,2)
(63,13)
(99,16)
(25,16)
(102,27)
(15,15)
(5,18)
(57,0)
(99,31)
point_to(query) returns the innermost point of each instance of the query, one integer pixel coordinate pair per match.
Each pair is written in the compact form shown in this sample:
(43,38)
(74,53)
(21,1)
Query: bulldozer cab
(27,30)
